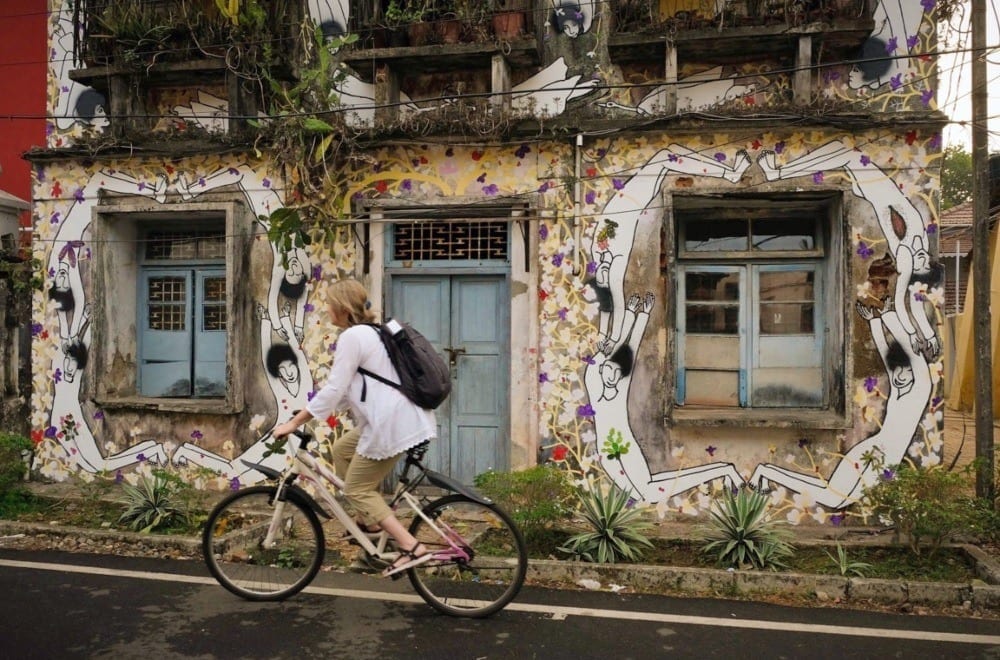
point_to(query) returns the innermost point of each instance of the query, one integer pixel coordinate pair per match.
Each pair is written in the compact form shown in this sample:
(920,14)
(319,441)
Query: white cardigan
(389,422)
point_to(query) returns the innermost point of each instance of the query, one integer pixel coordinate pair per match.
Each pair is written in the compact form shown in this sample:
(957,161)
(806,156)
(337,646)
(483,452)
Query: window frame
(829,259)
(117,229)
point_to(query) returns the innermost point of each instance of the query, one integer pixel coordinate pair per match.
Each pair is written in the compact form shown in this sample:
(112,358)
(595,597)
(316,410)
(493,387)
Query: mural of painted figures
(572,18)
(621,325)
(67,422)
(76,103)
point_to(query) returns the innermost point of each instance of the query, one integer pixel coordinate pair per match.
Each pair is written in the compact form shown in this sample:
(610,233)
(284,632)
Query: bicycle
(266,542)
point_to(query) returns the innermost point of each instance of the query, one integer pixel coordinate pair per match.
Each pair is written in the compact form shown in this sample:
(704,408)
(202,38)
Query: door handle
(453,354)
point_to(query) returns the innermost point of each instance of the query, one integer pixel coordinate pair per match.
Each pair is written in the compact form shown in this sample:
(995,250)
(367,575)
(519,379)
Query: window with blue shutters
(182,313)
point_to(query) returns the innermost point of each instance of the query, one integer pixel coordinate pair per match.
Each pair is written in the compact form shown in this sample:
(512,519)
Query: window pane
(786,319)
(787,285)
(713,319)
(716,235)
(784,235)
(167,303)
(716,287)
(786,306)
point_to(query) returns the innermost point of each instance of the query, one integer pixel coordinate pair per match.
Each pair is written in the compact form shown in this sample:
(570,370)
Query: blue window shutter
(210,333)
(165,333)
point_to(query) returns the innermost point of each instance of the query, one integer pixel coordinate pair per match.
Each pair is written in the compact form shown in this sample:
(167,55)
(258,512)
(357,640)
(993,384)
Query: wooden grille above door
(451,241)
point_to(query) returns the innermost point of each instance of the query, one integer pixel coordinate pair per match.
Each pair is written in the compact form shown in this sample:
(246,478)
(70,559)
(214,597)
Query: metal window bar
(451,241)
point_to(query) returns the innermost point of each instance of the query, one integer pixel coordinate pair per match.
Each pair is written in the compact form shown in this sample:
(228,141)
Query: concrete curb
(981,593)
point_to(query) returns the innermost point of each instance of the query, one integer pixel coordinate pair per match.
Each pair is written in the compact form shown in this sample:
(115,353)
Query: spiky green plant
(741,534)
(153,504)
(845,565)
(616,528)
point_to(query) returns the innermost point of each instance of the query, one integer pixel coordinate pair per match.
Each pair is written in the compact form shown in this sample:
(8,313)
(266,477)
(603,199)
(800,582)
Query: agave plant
(741,535)
(152,504)
(616,528)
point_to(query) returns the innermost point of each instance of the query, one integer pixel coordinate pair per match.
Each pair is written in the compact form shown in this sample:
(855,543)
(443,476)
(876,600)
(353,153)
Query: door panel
(165,364)
(210,334)
(467,314)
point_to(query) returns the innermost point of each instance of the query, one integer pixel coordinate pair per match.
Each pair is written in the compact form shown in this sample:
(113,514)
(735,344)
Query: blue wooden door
(466,318)
(165,333)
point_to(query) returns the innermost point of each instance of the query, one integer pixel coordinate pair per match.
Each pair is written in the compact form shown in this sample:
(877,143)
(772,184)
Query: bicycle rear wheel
(233,544)
(492,575)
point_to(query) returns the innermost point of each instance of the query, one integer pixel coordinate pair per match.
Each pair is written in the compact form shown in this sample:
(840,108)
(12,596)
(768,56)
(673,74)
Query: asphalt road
(61,605)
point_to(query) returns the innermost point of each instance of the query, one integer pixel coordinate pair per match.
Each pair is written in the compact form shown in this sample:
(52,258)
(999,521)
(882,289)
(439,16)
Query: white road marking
(559,612)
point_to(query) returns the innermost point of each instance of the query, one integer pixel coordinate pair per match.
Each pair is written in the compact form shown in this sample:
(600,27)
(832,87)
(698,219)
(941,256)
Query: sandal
(408,559)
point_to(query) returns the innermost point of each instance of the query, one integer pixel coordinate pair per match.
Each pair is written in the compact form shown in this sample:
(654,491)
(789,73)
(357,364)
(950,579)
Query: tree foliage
(956,177)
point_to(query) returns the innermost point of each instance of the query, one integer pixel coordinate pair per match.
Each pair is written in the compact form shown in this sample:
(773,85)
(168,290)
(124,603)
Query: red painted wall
(23,71)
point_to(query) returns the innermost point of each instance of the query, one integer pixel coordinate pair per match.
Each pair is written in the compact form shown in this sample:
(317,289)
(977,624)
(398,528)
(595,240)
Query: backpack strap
(364,372)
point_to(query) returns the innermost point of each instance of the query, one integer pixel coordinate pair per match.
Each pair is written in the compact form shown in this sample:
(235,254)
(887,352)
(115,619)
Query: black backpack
(424,376)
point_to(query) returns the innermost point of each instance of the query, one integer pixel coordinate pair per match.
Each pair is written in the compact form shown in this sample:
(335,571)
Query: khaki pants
(362,478)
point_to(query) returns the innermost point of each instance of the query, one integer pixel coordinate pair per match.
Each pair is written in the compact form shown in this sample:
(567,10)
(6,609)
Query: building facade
(674,246)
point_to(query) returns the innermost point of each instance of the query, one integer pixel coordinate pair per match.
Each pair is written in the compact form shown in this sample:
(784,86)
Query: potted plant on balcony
(396,19)
(472,17)
(509,18)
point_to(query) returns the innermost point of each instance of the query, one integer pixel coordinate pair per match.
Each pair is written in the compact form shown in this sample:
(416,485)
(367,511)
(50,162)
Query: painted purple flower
(522,151)
(935,142)
(922,297)
(331,348)
(779,147)
(36,329)
(234,483)
(803,442)
(55,219)
(864,250)
(896,81)
(50,432)
(415,162)
(891,45)
(481,178)
(562,313)
(201,181)
(833,76)
(837,519)
(119,477)
(602,152)
(544,187)
(40,171)
(358,195)
(78,194)
(308,307)
(196,435)
(585,410)
(928,5)
(817,177)
(591,267)
(888,474)
(543,377)
(491,189)
(932,228)
(57,376)
(631,503)
(589,359)
(672,158)
(141,458)
(266,182)
(936,401)
(618,184)
(557,259)
(317,272)
(591,197)
(721,157)
(309,397)
(543,232)
(870,384)
(911,42)
(710,450)
(99,415)
(926,96)
(865,160)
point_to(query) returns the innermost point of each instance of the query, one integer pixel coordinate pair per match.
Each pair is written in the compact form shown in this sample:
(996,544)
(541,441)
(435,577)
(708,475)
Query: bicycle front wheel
(235,551)
(488,572)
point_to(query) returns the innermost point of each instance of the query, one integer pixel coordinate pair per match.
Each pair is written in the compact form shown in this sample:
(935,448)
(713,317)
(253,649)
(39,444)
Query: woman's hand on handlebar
(282,430)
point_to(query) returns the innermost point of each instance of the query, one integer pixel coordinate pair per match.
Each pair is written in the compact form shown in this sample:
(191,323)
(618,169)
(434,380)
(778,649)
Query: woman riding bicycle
(386,422)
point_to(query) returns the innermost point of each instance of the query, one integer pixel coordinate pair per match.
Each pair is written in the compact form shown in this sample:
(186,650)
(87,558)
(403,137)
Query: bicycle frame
(306,466)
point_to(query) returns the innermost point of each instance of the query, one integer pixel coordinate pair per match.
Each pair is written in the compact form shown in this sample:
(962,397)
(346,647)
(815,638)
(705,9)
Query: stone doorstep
(646,578)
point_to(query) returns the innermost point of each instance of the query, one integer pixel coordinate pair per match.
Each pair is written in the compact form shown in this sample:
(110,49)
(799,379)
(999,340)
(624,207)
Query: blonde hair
(351,297)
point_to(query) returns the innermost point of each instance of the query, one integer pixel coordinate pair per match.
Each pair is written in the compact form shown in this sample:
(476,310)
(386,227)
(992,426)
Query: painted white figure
(77,439)
(330,15)
(76,103)
(696,92)
(621,325)
(909,390)
(262,197)
(882,57)
(547,92)
(208,112)
(291,384)
(900,222)
(289,281)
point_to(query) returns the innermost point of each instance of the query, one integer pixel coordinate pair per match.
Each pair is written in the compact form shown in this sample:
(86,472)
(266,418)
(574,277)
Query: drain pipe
(577,221)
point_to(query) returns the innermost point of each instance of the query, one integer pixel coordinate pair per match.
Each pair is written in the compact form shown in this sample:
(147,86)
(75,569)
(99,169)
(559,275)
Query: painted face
(69,369)
(294,273)
(571,29)
(921,261)
(856,78)
(611,374)
(288,371)
(62,278)
(902,379)
(603,274)
(100,119)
